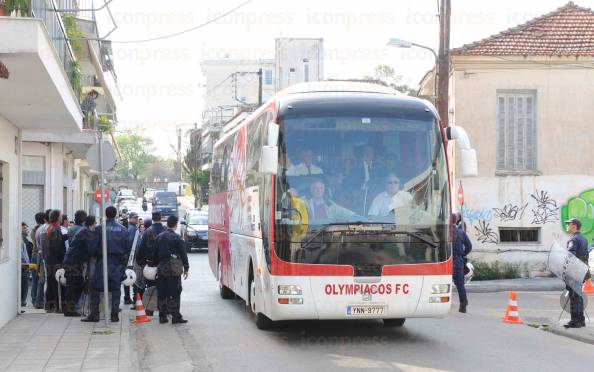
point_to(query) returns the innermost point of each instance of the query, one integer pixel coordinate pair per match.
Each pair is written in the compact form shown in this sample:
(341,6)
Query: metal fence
(46,11)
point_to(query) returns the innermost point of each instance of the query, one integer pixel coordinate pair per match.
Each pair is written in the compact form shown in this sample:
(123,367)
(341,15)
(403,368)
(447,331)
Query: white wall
(221,89)
(521,202)
(564,155)
(300,55)
(11,226)
(55,155)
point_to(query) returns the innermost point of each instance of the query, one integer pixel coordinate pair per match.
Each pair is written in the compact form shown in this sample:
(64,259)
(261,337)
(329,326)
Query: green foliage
(21,6)
(387,75)
(136,154)
(105,125)
(494,270)
(73,32)
(75,78)
(199,180)
(581,207)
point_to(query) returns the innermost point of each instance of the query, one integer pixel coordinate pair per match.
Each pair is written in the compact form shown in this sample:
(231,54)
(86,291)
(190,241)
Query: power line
(184,31)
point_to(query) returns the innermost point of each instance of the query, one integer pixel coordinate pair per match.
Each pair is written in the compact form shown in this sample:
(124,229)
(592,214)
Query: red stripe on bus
(283,268)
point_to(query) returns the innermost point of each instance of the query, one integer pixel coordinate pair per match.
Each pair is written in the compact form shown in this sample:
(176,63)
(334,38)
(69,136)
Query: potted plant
(21,7)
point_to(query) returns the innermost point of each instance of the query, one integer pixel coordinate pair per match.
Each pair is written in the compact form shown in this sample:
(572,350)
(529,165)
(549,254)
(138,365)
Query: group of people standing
(74,252)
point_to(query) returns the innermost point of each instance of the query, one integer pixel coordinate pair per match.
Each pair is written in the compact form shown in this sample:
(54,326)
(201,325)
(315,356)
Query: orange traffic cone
(588,288)
(511,313)
(141,316)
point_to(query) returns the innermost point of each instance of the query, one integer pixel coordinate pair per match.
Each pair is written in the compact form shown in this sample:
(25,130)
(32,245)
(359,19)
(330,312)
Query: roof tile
(567,31)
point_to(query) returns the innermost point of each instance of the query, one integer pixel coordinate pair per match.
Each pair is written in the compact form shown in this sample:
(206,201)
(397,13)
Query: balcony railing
(46,11)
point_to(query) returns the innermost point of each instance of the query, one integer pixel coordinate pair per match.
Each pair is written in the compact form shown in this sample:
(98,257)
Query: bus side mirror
(269,159)
(468,159)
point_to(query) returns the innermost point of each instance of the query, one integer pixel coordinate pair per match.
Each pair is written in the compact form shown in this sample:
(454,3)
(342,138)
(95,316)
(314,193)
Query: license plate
(366,310)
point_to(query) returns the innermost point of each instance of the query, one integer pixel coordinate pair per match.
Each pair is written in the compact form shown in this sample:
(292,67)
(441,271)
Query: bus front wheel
(262,321)
(394,322)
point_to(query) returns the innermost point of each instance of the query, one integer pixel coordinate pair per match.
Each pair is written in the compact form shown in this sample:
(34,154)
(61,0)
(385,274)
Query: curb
(519,285)
(560,331)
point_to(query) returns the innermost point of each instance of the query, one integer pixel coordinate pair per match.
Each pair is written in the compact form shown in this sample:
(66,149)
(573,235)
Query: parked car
(194,230)
(167,203)
(125,194)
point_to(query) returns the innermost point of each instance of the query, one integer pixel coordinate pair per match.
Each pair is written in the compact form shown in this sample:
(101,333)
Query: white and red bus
(332,201)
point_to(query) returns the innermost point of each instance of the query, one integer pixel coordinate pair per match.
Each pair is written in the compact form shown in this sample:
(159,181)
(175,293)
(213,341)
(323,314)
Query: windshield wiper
(417,236)
(325,228)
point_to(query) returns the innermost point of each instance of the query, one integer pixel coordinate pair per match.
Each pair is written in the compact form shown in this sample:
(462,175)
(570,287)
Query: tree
(386,74)
(192,164)
(136,154)
(161,170)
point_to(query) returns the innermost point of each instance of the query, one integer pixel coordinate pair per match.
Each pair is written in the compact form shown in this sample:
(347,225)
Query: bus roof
(339,86)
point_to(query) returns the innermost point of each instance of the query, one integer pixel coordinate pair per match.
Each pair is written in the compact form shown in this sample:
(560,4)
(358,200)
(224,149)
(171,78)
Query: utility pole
(260,87)
(179,160)
(444,62)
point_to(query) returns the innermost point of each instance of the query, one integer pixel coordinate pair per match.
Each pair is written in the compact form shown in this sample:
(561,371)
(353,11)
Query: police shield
(567,267)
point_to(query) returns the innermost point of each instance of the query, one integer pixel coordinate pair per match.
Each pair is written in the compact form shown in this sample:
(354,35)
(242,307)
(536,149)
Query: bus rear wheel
(262,321)
(224,291)
(394,322)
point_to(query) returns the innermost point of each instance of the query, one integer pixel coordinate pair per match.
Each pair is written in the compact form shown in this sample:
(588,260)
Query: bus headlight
(285,290)
(440,288)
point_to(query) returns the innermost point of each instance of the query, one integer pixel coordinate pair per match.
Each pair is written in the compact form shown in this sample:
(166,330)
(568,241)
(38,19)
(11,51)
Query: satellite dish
(109,156)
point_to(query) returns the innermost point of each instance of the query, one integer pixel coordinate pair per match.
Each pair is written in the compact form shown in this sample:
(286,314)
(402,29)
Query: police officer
(132,229)
(117,250)
(83,242)
(172,263)
(461,247)
(146,252)
(578,245)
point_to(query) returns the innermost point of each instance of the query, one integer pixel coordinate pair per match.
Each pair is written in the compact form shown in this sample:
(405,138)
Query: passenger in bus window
(366,170)
(322,209)
(306,167)
(391,198)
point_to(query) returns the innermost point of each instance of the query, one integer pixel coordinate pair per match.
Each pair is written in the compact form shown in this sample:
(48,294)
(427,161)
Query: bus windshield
(361,190)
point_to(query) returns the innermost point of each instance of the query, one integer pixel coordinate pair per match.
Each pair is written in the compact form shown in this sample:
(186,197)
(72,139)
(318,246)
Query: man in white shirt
(306,167)
(322,210)
(392,198)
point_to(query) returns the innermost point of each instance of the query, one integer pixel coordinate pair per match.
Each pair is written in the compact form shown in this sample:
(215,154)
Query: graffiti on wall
(546,209)
(510,212)
(485,233)
(581,207)
(543,208)
(472,216)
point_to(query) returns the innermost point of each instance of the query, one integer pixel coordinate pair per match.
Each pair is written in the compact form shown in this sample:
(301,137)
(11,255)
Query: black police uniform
(169,244)
(117,250)
(578,245)
(83,242)
(461,247)
(146,253)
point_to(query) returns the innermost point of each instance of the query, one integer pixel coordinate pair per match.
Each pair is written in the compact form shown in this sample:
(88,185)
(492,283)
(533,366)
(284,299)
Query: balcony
(42,91)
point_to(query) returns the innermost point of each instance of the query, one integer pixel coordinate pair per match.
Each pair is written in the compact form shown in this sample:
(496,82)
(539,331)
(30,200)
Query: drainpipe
(19,150)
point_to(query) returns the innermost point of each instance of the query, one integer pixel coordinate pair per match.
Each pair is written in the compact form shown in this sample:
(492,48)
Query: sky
(161,83)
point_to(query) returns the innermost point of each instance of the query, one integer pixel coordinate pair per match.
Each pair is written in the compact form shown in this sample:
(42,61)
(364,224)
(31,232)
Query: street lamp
(399,43)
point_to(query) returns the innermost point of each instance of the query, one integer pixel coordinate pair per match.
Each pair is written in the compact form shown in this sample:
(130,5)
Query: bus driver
(386,201)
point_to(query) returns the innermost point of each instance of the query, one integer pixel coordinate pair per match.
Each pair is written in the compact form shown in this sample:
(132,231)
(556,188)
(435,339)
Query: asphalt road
(222,336)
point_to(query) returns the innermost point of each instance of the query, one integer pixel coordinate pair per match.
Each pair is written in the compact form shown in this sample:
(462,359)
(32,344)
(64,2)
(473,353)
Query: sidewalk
(540,318)
(503,285)
(52,342)
(585,334)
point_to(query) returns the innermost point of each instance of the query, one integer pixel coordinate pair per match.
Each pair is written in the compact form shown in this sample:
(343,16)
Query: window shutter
(530,134)
(516,132)
(501,133)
